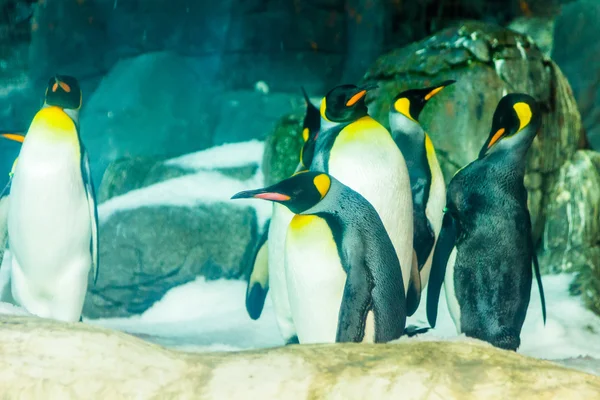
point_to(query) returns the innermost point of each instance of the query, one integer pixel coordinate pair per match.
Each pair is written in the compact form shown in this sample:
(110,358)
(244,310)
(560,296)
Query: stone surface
(140,263)
(572,230)
(540,29)
(577,51)
(70,361)
(147,106)
(487,61)
(282,149)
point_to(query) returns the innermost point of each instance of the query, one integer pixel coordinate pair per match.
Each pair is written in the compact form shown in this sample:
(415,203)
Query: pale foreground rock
(47,359)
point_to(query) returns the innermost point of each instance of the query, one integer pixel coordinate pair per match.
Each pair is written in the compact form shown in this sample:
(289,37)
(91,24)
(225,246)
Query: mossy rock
(282,148)
(487,61)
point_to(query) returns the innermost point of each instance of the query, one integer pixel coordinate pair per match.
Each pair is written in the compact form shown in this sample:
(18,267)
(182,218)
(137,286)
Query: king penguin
(268,272)
(485,250)
(343,276)
(426,179)
(360,153)
(52,219)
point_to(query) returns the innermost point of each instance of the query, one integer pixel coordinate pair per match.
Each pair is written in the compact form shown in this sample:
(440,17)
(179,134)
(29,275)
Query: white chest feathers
(315,279)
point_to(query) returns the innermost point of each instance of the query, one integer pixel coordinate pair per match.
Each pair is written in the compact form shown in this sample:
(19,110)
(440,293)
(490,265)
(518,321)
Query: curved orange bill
(496,137)
(13,136)
(261,194)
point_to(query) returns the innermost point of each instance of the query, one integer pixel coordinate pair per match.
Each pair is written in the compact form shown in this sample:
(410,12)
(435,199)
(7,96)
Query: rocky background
(166,78)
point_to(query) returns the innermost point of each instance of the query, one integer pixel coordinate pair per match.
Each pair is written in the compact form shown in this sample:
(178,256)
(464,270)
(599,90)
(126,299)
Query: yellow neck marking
(429,146)
(302,221)
(54,124)
(305,134)
(524,113)
(322,183)
(365,129)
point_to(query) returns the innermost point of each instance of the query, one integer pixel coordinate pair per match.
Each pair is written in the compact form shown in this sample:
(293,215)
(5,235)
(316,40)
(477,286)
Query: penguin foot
(292,340)
(413,330)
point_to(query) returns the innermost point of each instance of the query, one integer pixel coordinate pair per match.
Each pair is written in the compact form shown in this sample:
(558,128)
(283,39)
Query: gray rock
(147,251)
(540,29)
(577,51)
(487,61)
(572,228)
(147,106)
(102,363)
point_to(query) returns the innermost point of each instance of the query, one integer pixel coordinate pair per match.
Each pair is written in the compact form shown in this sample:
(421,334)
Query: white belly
(376,169)
(435,213)
(49,231)
(451,299)
(280,221)
(315,279)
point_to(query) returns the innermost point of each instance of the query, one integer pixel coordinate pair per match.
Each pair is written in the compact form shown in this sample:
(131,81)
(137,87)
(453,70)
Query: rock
(282,149)
(70,361)
(577,51)
(539,29)
(123,175)
(487,61)
(140,263)
(572,227)
(147,106)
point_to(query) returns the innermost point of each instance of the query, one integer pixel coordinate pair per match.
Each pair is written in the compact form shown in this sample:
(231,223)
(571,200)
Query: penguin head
(407,106)
(310,130)
(345,103)
(63,91)
(515,123)
(301,192)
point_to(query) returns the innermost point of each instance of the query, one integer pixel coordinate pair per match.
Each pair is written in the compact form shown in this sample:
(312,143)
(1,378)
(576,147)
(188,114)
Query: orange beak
(14,136)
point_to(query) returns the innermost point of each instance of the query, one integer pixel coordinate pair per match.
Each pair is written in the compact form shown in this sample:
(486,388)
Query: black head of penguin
(411,102)
(299,193)
(515,123)
(345,103)
(63,91)
(310,129)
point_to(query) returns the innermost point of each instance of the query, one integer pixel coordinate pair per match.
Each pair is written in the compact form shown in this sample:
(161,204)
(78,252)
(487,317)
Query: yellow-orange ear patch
(322,183)
(524,113)
(64,87)
(55,86)
(433,93)
(354,99)
(496,137)
(402,105)
(323,108)
(305,134)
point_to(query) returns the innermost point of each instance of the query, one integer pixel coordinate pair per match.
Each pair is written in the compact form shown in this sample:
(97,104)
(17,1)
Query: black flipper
(413,294)
(538,277)
(423,239)
(92,209)
(258,282)
(442,252)
(356,304)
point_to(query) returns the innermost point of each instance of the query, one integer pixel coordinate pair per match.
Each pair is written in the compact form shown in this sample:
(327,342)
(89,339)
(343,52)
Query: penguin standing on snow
(343,276)
(52,219)
(268,268)
(360,153)
(426,179)
(485,251)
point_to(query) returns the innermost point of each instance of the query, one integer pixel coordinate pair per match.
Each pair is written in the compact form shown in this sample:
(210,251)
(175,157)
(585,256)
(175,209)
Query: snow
(225,156)
(211,316)
(201,187)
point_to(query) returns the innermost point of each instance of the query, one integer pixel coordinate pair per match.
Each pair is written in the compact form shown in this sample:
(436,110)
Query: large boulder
(487,61)
(572,228)
(71,361)
(152,105)
(577,51)
(166,222)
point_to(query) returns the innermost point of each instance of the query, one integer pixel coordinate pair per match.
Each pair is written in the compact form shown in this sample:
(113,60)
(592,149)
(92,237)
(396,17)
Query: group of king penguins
(48,213)
(366,223)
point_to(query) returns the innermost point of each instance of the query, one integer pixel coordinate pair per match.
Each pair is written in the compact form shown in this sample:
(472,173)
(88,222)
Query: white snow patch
(202,187)
(224,156)
(10,309)
(211,316)
(203,316)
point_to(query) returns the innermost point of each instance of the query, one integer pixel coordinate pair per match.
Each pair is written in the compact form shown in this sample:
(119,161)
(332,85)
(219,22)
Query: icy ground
(210,316)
